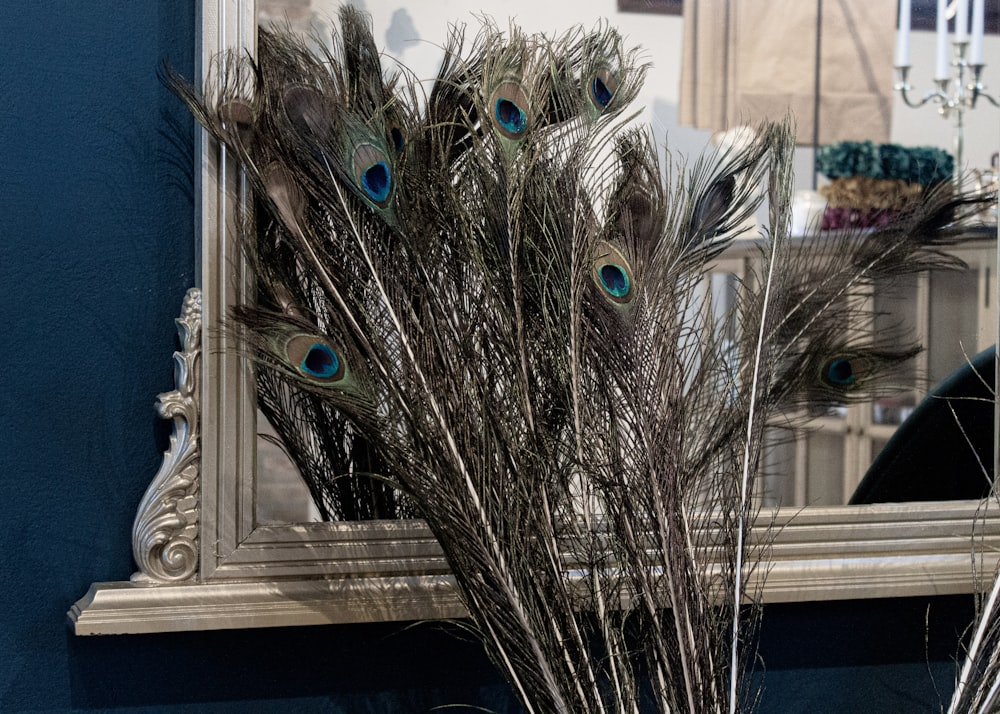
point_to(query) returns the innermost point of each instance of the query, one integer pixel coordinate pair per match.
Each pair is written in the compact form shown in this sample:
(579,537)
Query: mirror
(203,527)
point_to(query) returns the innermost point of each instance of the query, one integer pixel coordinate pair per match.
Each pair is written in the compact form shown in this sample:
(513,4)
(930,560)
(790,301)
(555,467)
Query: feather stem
(986,622)
(777,236)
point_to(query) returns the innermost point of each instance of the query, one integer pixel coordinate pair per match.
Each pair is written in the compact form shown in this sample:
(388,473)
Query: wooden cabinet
(953,315)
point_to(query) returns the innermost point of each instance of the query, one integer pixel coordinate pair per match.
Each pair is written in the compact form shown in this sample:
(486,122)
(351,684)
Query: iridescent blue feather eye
(602,95)
(613,274)
(398,139)
(314,358)
(509,107)
(840,372)
(373,173)
(615,280)
(510,116)
(376,182)
(320,361)
(603,86)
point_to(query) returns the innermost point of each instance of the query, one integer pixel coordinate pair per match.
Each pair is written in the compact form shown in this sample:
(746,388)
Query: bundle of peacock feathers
(485,295)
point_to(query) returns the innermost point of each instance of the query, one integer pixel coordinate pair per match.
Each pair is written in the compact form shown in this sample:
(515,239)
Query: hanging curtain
(748,60)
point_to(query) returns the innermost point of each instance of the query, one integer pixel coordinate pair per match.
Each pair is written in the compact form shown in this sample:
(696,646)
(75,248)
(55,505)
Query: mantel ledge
(131,608)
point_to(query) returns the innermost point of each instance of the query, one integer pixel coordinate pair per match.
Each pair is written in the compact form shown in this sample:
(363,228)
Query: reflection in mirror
(949,312)
(282,494)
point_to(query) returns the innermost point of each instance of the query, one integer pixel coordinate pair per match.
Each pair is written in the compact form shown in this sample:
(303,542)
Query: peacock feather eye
(510,116)
(603,86)
(398,139)
(510,110)
(237,123)
(314,358)
(839,372)
(320,361)
(373,174)
(285,194)
(615,280)
(613,274)
(304,107)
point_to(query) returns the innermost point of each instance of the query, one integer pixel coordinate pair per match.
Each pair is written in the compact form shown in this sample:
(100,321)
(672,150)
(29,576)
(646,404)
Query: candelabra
(967,90)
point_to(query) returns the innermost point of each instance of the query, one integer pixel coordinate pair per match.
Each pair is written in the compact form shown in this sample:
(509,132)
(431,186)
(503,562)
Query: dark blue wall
(96,252)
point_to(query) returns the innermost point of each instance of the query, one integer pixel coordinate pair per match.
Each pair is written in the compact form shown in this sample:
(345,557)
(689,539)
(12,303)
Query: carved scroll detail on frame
(165,532)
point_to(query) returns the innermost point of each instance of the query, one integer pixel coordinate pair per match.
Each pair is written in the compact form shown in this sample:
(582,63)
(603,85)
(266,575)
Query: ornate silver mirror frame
(204,563)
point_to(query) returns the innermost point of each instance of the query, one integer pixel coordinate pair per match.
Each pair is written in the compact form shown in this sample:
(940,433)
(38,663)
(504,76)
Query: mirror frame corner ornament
(203,563)
(165,530)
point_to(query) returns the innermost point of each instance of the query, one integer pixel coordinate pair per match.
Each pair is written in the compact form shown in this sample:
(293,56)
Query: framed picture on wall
(924,14)
(662,7)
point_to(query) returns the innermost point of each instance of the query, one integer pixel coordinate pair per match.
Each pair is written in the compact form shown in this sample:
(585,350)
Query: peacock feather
(486,293)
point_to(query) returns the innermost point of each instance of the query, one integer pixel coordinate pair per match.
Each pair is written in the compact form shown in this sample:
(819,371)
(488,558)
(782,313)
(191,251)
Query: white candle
(962,21)
(903,36)
(976,45)
(941,68)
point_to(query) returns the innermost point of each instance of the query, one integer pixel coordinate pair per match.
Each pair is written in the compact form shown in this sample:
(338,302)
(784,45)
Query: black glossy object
(929,458)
